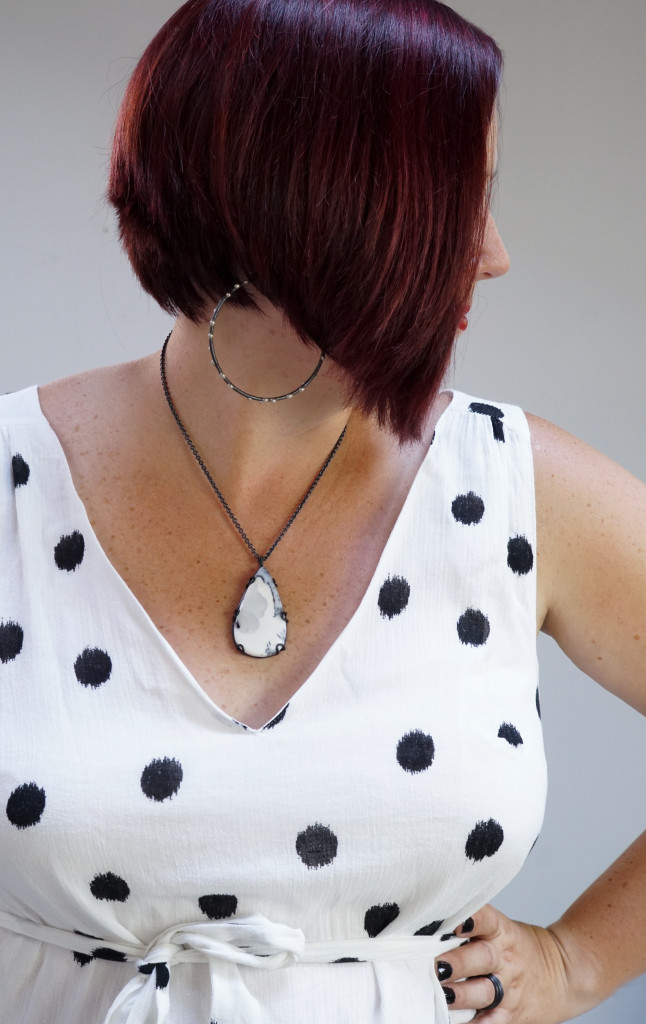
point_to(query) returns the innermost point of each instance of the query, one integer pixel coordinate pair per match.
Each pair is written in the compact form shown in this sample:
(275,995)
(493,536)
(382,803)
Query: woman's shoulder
(79,401)
(591,528)
(80,395)
(98,414)
(578,487)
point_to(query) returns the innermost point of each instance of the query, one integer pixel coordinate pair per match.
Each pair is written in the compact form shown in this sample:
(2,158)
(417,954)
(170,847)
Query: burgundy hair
(332,151)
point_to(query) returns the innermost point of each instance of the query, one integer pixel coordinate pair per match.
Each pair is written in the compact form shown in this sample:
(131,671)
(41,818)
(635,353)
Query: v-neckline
(137,606)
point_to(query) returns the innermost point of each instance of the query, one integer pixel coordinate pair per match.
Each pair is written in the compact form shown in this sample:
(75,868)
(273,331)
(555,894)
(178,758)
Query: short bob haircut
(335,153)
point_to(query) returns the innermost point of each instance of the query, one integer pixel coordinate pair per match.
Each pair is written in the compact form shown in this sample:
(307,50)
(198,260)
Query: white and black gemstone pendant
(259,621)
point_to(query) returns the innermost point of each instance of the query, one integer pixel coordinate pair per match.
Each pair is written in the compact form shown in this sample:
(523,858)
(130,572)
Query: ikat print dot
(393,596)
(68,553)
(496,416)
(218,906)
(317,846)
(379,917)
(161,779)
(468,509)
(11,641)
(429,929)
(82,959)
(415,751)
(110,887)
(520,557)
(473,628)
(278,719)
(162,974)
(93,667)
(509,732)
(26,804)
(105,953)
(20,471)
(484,840)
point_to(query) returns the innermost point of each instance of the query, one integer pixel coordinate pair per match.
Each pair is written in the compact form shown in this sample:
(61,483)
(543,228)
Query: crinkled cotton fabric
(162,863)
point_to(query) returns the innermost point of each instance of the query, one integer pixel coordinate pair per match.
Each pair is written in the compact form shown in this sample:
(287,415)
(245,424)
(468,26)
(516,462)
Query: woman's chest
(189,568)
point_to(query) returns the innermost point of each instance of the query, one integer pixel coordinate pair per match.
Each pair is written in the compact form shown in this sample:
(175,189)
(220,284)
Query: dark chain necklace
(259,621)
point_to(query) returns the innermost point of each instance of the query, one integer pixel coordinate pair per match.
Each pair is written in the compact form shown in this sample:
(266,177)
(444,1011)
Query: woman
(288,173)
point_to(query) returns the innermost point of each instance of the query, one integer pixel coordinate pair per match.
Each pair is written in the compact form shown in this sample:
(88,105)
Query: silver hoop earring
(234,387)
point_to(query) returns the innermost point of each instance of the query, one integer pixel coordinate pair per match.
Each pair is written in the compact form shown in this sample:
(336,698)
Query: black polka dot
(415,751)
(162,974)
(520,557)
(93,667)
(20,471)
(538,703)
(468,508)
(484,840)
(279,717)
(379,917)
(68,553)
(429,929)
(11,638)
(348,960)
(217,906)
(495,414)
(26,804)
(473,628)
(105,953)
(447,937)
(162,778)
(82,959)
(317,846)
(393,596)
(509,732)
(110,887)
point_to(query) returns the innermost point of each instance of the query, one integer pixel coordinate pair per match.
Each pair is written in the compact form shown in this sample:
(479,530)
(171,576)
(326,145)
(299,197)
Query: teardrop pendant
(259,621)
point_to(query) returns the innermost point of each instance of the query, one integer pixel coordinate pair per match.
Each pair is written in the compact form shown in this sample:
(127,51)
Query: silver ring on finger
(499,992)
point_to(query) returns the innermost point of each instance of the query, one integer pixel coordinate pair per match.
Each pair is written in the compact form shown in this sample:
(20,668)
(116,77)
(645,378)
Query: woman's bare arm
(592,556)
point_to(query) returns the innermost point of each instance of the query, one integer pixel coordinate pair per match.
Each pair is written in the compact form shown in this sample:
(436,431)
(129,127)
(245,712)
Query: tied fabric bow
(252,940)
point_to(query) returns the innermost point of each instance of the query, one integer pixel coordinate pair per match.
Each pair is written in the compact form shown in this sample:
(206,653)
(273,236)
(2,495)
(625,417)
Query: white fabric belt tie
(251,941)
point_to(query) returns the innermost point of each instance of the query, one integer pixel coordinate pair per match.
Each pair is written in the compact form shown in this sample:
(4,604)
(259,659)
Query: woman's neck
(255,448)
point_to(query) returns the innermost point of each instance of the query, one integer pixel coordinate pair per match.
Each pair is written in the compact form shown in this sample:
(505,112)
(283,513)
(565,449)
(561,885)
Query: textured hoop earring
(234,387)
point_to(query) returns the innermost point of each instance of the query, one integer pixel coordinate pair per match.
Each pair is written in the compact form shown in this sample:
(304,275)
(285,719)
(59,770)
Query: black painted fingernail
(468,925)
(444,970)
(449,995)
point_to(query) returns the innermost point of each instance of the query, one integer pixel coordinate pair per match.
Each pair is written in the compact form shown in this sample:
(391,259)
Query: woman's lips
(464,323)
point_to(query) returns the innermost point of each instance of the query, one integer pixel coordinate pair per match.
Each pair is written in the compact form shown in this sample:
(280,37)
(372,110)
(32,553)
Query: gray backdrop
(562,335)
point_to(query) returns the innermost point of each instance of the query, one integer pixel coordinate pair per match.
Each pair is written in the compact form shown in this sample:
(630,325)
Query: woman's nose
(494,258)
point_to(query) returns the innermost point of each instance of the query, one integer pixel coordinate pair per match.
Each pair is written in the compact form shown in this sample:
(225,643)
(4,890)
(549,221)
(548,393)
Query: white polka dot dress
(162,864)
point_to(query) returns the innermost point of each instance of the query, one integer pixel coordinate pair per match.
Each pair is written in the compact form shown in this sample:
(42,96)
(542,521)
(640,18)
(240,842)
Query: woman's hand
(530,964)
